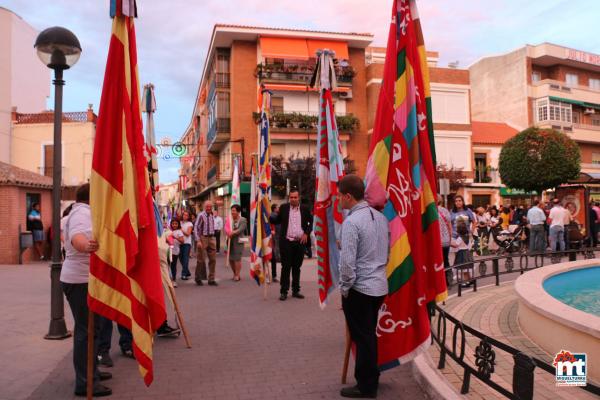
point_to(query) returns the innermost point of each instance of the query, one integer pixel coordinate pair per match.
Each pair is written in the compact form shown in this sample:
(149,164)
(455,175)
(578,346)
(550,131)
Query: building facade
(548,86)
(32,144)
(19,190)
(224,118)
(24,80)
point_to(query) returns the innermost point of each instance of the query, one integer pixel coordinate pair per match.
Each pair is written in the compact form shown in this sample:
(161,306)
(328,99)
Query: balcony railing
(304,121)
(587,126)
(221,125)
(563,86)
(222,80)
(299,73)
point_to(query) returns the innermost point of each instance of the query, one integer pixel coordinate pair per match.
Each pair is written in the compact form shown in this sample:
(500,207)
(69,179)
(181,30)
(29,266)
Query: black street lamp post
(59,49)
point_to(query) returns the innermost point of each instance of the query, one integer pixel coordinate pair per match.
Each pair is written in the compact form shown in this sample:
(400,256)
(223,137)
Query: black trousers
(105,337)
(292,256)
(361,313)
(218,236)
(76,294)
(446,252)
(273,265)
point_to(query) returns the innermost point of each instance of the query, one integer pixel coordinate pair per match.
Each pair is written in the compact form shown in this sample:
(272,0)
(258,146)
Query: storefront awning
(507,192)
(576,102)
(300,49)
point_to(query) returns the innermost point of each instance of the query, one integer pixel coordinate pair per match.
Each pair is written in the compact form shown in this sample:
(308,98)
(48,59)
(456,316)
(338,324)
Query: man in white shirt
(559,218)
(218,229)
(74,278)
(537,236)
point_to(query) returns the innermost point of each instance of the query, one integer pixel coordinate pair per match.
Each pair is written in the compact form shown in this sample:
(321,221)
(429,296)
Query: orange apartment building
(223,125)
(548,86)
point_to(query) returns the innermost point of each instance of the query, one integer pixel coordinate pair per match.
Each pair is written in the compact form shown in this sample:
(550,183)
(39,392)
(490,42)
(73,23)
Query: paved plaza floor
(244,347)
(493,311)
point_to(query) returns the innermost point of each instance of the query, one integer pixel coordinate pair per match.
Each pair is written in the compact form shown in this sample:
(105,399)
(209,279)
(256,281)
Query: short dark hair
(352,184)
(294,189)
(536,202)
(273,207)
(83,193)
(237,207)
(34,205)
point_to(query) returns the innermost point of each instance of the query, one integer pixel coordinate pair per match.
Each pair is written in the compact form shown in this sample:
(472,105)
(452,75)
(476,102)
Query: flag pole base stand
(58,330)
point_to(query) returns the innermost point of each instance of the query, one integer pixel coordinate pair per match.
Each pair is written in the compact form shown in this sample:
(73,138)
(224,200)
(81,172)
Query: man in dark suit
(296,226)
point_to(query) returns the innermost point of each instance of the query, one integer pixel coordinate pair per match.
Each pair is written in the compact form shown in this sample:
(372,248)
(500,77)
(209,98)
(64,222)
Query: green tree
(539,159)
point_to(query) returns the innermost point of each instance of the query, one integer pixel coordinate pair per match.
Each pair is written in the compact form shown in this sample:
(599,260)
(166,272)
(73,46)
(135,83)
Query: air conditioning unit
(589,111)
(346,95)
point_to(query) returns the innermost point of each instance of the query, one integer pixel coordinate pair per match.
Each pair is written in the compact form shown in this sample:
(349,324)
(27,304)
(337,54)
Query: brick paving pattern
(244,347)
(493,311)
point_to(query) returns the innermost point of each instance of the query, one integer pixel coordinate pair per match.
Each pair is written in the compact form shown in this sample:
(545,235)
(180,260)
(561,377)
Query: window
(596,120)
(595,158)
(277,104)
(594,83)
(576,117)
(48,160)
(481,175)
(542,110)
(559,111)
(481,200)
(572,79)
(536,76)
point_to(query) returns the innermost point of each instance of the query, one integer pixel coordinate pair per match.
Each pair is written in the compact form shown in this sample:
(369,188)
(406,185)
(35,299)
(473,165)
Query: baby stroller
(511,240)
(575,239)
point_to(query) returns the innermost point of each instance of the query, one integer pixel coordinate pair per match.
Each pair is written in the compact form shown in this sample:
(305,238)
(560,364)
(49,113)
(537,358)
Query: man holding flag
(363,282)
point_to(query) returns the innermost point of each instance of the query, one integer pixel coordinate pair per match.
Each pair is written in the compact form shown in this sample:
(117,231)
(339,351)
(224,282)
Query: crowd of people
(536,228)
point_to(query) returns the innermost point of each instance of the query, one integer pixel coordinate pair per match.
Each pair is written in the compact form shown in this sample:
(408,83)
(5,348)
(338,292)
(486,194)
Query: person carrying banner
(74,278)
(363,281)
(296,225)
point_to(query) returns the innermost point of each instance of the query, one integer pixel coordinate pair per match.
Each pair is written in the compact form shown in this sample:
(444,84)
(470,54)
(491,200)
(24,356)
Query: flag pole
(179,317)
(346,356)
(90,356)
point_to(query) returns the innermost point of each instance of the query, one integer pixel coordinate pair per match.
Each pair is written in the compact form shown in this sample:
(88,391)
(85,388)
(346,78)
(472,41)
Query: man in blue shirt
(37,229)
(363,281)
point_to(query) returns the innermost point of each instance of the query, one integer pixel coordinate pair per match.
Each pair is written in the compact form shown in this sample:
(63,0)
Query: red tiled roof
(289,29)
(491,132)
(15,176)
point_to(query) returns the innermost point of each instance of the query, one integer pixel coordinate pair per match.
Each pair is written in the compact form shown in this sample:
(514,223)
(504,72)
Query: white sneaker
(174,284)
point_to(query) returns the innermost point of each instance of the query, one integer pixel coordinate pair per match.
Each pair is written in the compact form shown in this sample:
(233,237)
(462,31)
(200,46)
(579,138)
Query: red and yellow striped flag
(125,282)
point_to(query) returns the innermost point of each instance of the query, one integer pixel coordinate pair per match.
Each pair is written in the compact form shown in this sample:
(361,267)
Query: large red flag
(401,181)
(125,282)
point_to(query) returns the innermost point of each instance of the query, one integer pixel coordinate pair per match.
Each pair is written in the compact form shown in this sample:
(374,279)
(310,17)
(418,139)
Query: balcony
(218,133)
(307,121)
(578,132)
(299,73)
(550,87)
(214,175)
(486,175)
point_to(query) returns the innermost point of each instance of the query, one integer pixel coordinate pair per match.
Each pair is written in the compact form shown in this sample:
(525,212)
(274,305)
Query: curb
(431,380)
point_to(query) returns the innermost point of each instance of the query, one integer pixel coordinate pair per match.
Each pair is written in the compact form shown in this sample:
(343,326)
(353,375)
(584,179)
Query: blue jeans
(76,294)
(184,257)
(105,337)
(537,239)
(174,258)
(557,236)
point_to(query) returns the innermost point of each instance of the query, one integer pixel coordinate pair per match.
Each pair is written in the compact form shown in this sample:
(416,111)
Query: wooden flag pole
(90,356)
(179,317)
(346,356)
(228,252)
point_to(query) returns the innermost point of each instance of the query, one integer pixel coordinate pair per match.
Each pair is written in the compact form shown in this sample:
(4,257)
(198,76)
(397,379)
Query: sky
(173,37)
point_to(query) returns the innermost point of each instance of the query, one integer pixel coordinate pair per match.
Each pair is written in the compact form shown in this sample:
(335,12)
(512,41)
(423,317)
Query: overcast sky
(173,37)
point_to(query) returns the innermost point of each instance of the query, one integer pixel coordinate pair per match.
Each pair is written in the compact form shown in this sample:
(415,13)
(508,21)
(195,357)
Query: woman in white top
(177,239)
(187,228)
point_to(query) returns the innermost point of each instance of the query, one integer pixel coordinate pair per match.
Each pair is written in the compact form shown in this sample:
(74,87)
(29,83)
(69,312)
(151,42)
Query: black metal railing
(467,274)
(484,364)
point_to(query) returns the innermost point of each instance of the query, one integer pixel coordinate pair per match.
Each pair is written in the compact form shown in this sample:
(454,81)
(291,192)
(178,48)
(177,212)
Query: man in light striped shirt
(363,280)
